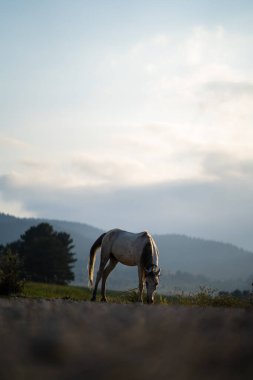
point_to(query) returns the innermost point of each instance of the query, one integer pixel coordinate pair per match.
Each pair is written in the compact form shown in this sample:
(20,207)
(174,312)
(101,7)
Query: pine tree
(47,254)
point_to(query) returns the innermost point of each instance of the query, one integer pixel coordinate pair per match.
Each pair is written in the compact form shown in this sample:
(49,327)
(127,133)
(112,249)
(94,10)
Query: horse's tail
(92,258)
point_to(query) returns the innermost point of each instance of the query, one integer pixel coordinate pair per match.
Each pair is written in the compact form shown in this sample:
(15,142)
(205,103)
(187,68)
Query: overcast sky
(132,114)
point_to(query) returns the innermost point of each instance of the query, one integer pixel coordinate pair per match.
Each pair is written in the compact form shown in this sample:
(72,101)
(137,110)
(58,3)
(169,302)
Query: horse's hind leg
(112,264)
(103,262)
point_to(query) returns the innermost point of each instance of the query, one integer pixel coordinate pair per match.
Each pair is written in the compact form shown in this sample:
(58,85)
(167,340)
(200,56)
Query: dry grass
(70,340)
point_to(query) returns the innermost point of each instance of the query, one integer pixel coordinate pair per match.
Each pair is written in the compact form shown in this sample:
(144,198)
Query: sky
(130,114)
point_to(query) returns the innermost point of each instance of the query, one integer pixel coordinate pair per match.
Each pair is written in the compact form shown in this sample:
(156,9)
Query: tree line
(41,254)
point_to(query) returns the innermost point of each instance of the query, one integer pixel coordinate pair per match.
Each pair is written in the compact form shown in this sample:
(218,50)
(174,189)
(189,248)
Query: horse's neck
(149,256)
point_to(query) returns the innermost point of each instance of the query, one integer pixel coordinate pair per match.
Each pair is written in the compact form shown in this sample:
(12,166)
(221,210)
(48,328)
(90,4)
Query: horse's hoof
(103,300)
(93,299)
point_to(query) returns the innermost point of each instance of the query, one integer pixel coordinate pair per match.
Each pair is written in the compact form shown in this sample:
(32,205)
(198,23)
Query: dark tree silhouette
(47,254)
(11,272)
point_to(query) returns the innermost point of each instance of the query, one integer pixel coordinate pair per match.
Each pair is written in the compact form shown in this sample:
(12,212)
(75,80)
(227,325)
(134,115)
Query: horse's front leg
(141,281)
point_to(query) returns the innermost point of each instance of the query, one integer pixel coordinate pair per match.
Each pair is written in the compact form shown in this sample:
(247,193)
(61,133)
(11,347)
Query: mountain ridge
(212,259)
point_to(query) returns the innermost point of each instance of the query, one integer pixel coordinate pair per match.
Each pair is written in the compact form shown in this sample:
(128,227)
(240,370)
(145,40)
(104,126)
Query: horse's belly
(126,256)
(130,261)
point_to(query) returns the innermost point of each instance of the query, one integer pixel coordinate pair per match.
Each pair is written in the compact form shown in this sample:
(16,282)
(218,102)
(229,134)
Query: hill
(220,261)
(186,262)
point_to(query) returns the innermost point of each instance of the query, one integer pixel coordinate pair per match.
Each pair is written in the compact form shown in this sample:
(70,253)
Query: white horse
(130,249)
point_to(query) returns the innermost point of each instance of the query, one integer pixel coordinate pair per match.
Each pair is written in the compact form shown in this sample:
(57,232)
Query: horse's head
(152,280)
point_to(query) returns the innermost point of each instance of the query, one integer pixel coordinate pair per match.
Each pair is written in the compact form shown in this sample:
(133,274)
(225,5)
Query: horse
(132,249)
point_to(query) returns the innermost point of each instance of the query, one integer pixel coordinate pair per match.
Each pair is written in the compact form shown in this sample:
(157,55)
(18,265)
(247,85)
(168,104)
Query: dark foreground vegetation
(66,340)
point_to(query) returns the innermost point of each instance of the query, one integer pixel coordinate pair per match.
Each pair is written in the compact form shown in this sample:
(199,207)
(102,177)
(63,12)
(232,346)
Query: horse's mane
(147,256)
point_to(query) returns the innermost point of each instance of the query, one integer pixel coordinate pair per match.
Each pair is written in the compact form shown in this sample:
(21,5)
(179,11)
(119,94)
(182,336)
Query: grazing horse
(130,249)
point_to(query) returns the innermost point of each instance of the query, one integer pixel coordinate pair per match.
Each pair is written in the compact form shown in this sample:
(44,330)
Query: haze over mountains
(186,262)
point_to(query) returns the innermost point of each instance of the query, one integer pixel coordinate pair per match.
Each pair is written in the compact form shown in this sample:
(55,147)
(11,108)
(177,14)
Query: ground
(70,340)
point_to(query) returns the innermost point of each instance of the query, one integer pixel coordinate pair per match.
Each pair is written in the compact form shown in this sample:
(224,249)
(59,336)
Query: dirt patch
(66,340)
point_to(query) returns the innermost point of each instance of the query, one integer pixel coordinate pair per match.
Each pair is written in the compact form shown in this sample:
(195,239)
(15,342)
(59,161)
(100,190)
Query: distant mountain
(198,259)
(221,261)
(12,227)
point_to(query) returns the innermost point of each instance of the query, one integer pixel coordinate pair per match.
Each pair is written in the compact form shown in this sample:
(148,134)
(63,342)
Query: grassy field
(205,296)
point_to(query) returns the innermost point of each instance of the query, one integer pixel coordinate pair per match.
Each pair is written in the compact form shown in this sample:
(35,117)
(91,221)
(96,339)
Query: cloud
(12,143)
(99,169)
(15,208)
(163,141)
(229,88)
(220,208)
(197,85)
(218,164)
(9,203)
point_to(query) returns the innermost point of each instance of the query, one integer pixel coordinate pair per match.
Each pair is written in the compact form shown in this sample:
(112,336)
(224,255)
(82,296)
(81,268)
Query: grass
(51,291)
(75,293)
(205,297)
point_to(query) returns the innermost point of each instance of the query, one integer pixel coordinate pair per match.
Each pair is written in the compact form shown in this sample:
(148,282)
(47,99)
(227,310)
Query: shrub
(11,273)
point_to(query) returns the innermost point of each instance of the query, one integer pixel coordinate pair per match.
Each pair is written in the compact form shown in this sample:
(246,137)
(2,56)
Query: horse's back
(126,247)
